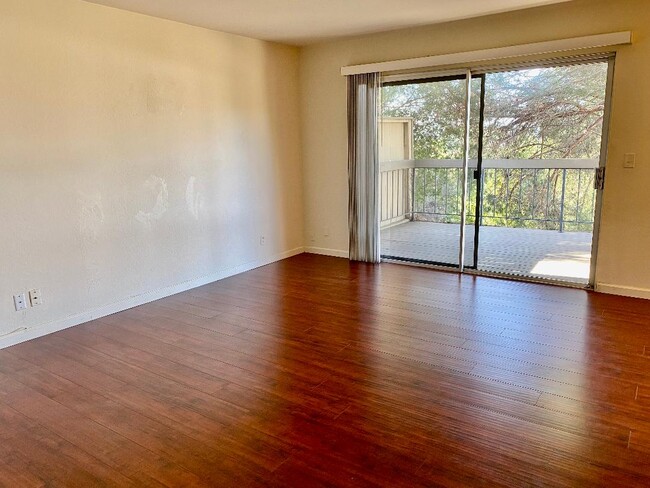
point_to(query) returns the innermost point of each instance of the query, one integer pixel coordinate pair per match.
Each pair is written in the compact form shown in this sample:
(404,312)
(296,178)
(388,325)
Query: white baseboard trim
(327,252)
(26,334)
(627,291)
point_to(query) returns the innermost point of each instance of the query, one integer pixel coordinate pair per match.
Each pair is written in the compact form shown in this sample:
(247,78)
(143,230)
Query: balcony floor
(523,252)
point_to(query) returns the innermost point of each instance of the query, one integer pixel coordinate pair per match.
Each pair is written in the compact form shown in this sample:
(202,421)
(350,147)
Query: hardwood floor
(315,371)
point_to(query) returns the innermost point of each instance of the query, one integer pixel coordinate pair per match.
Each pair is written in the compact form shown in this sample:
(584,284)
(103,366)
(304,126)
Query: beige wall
(624,258)
(138,156)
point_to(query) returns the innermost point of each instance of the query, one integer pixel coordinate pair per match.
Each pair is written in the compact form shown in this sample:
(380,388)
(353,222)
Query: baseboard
(22,335)
(327,252)
(627,291)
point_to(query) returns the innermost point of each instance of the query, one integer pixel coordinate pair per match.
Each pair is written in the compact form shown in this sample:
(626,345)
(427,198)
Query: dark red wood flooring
(315,371)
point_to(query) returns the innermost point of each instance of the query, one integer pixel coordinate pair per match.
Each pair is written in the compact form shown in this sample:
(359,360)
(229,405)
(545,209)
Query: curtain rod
(536,48)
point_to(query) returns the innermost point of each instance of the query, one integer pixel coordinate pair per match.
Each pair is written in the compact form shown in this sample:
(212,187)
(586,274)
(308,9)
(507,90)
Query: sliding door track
(452,268)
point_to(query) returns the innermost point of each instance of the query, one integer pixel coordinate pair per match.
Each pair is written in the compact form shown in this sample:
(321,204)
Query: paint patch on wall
(164,95)
(193,198)
(91,215)
(157,188)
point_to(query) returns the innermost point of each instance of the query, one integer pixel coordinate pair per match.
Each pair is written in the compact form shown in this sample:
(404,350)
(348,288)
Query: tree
(546,113)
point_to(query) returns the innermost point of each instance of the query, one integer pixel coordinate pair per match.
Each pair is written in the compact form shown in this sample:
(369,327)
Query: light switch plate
(629,160)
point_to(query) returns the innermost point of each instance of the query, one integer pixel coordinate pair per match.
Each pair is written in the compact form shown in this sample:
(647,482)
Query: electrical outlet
(35,297)
(262,240)
(19,302)
(326,231)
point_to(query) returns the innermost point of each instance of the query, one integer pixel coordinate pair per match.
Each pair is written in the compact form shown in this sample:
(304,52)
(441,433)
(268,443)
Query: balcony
(536,219)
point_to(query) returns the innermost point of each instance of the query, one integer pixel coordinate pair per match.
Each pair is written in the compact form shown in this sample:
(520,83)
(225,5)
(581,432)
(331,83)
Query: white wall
(137,157)
(624,257)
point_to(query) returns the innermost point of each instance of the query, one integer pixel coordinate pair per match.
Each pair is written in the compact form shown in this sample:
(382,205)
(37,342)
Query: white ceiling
(307,21)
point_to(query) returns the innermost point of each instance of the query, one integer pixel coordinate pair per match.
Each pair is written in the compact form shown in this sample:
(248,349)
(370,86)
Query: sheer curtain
(363,166)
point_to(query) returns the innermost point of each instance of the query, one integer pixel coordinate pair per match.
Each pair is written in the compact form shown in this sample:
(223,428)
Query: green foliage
(548,113)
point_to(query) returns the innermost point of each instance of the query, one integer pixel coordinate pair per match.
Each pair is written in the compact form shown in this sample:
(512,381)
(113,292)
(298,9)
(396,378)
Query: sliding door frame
(480,72)
(478,175)
(445,76)
(463,199)
(604,145)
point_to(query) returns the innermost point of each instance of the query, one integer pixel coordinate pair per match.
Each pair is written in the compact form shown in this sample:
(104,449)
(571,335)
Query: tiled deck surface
(523,252)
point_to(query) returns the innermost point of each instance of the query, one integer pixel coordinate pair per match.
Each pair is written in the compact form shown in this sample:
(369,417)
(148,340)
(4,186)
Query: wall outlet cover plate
(20,302)
(35,297)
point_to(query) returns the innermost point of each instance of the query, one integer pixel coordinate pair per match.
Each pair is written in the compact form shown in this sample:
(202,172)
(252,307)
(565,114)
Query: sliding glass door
(505,161)
(543,130)
(423,174)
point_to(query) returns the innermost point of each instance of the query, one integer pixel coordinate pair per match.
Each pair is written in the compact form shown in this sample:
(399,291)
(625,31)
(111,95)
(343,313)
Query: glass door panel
(422,136)
(541,149)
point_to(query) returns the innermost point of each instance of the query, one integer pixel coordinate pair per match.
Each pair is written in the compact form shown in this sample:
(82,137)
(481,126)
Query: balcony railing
(535,194)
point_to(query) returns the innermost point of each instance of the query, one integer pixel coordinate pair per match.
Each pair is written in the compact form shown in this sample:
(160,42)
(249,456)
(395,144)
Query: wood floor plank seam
(515,349)
(435,312)
(452,335)
(215,394)
(64,456)
(554,317)
(321,382)
(142,369)
(400,304)
(83,386)
(435,306)
(132,471)
(475,362)
(119,434)
(440,312)
(152,418)
(213,359)
(220,360)
(500,334)
(451,403)
(151,370)
(541,343)
(469,373)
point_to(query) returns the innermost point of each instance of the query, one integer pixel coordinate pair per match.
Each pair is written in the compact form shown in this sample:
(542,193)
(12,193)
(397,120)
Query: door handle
(599,180)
